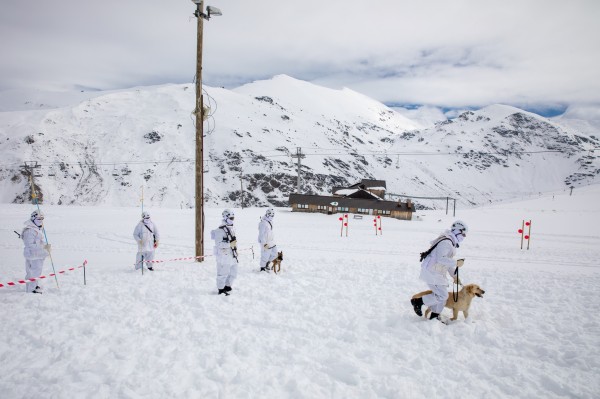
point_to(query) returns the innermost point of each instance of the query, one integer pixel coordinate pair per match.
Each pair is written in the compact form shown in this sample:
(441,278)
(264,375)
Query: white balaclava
(459,230)
(228,217)
(37,218)
(459,236)
(145,217)
(269,214)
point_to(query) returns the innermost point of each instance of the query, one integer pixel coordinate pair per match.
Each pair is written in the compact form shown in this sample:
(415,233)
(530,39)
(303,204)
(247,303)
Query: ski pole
(35,201)
(142,199)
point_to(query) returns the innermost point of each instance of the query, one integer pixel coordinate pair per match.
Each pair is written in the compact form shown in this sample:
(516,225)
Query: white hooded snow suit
(225,254)
(34,253)
(145,234)
(266,237)
(434,269)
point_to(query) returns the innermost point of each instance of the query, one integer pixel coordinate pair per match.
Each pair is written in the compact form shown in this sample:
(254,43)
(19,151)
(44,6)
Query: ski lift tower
(201,16)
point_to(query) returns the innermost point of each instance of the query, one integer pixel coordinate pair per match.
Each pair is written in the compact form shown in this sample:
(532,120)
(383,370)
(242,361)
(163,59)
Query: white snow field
(336,323)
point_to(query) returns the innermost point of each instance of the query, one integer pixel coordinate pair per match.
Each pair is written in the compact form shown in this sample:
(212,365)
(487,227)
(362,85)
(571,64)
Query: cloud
(440,53)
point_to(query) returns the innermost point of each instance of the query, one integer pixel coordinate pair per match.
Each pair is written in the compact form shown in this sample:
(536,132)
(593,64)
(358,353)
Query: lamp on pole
(198,112)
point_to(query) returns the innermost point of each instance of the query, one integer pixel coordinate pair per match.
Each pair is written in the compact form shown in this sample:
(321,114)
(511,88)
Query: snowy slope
(501,152)
(336,323)
(104,149)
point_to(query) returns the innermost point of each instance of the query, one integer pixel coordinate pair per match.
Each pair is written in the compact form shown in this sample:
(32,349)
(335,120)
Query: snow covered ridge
(102,150)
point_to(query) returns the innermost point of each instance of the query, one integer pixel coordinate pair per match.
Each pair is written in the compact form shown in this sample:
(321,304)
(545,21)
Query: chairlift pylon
(36,171)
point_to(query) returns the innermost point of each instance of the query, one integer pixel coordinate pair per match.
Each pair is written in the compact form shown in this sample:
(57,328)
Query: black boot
(227,288)
(265,268)
(439,317)
(150,268)
(223,291)
(417,303)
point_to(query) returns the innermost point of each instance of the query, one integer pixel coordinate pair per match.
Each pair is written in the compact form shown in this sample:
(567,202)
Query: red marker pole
(528,236)
(521,231)
(341,219)
(346,224)
(380,230)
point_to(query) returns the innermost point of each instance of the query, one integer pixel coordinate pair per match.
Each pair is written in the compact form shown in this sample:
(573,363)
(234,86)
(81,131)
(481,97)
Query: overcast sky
(537,54)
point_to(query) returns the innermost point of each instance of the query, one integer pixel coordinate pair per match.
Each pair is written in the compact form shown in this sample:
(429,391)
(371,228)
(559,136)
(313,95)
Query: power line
(266,155)
(441,153)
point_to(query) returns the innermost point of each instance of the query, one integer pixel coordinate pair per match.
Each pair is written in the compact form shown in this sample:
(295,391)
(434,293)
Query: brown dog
(277,262)
(465,295)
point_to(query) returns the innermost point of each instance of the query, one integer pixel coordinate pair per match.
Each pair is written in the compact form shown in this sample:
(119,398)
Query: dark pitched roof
(367,183)
(350,202)
(360,193)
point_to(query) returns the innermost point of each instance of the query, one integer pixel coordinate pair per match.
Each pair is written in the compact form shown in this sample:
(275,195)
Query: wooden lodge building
(364,198)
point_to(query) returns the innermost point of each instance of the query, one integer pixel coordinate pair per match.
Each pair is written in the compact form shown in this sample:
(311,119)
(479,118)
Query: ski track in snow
(336,323)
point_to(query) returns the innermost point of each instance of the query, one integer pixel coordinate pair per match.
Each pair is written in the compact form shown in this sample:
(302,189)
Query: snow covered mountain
(104,149)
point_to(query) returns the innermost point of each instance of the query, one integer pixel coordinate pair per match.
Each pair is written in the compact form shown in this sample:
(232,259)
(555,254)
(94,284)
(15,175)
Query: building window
(383,212)
(321,207)
(343,209)
(302,206)
(362,210)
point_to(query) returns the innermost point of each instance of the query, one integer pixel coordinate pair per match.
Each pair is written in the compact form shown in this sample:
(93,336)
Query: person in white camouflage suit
(436,266)
(35,251)
(225,251)
(147,237)
(266,239)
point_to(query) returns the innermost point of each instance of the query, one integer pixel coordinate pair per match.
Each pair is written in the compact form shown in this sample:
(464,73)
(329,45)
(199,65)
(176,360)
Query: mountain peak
(501,111)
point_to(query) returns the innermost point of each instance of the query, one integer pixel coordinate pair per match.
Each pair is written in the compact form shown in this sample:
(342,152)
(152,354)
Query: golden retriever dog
(465,296)
(277,262)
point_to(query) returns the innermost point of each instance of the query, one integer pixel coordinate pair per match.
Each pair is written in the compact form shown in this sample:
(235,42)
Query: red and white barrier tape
(192,257)
(12,283)
(175,259)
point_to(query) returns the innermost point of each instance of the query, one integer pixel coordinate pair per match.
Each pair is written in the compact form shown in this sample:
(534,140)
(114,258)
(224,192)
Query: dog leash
(455,296)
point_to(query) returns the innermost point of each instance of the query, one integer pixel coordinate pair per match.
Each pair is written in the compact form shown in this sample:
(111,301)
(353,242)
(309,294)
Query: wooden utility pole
(298,155)
(199,139)
(241,190)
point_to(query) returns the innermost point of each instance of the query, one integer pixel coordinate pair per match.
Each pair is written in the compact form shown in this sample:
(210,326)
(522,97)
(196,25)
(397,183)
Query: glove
(460,262)
(457,281)
(265,246)
(48,247)
(233,244)
(155,244)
